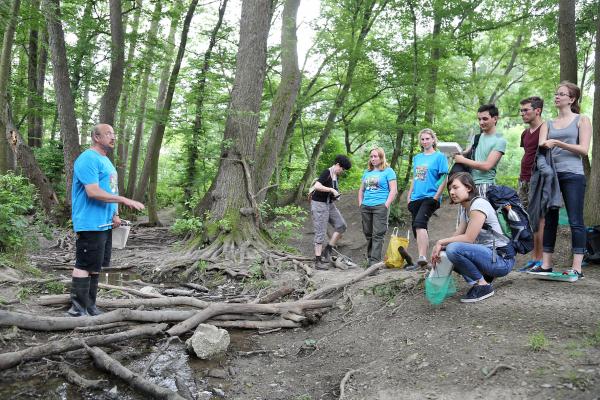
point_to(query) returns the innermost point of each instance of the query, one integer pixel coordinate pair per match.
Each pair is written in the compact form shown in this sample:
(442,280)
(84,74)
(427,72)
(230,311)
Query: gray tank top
(565,160)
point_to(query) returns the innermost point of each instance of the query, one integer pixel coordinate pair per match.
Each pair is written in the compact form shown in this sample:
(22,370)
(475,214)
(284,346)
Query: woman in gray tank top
(568,137)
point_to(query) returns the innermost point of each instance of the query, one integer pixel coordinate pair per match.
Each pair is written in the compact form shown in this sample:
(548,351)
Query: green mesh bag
(437,288)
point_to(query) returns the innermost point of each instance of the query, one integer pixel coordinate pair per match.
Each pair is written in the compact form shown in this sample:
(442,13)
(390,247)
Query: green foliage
(51,160)
(54,287)
(256,278)
(389,290)
(24,293)
(17,200)
(184,226)
(287,221)
(538,341)
(594,338)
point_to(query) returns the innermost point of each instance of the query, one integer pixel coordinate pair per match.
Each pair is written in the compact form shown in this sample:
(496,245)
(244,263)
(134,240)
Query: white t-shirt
(486,237)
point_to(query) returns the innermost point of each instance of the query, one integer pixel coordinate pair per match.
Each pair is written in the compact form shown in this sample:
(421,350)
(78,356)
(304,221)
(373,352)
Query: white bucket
(120,235)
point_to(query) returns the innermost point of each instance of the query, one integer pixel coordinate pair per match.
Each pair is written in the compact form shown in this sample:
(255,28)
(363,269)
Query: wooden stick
(107,363)
(276,295)
(324,291)
(8,360)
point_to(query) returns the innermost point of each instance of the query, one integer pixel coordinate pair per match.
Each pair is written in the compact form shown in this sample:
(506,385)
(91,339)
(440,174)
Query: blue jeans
(572,187)
(473,261)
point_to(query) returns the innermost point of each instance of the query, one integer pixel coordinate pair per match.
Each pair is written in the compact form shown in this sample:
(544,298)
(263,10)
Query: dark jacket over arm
(544,190)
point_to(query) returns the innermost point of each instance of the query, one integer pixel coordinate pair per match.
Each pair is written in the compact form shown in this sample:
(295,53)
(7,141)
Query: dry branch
(8,360)
(106,363)
(277,294)
(223,308)
(128,303)
(325,291)
(274,324)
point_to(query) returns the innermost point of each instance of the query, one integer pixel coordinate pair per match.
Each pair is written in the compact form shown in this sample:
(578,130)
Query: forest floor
(532,340)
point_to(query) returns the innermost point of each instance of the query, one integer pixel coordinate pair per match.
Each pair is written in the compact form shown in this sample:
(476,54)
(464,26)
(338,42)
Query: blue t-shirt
(428,171)
(89,214)
(377,186)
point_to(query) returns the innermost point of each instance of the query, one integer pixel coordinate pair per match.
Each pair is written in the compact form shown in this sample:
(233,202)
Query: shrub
(51,160)
(287,221)
(17,200)
(538,341)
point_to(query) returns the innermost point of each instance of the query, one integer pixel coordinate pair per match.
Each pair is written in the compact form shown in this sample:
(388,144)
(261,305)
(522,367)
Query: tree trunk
(592,195)
(567,40)
(110,100)
(367,18)
(32,81)
(198,128)
(62,88)
(142,184)
(285,98)
(41,84)
(122,130)
(433,64)
(158,132)
(6,57)
(143,97)
(233,191)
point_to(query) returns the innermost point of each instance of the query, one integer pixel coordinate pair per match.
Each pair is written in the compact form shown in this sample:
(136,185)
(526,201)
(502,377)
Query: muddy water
(117,278)
(40,382)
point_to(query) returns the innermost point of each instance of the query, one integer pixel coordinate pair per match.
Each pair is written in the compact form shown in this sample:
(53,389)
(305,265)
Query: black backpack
(458,167)
(508,206)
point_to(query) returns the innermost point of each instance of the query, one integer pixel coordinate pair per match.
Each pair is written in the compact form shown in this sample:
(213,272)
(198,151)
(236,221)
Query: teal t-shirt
(377,186)
(89,214)
(487,144)
(428,171)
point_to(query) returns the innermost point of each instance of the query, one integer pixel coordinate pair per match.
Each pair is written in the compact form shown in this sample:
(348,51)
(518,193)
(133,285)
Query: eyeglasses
(525,110)
(561,94)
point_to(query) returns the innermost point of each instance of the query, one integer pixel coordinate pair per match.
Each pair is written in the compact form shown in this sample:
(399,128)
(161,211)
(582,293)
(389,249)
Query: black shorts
(421,211)
(93,250)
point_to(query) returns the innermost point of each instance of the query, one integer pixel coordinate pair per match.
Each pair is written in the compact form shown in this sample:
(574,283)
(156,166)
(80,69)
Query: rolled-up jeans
(375,225)
(473,261)
(572,187)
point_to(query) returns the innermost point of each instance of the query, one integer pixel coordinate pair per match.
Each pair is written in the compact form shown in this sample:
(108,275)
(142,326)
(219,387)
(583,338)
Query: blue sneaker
(478,293)
(531,264)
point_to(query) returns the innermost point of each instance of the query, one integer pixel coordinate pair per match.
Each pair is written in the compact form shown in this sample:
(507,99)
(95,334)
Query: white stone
(149,290)
(208,341)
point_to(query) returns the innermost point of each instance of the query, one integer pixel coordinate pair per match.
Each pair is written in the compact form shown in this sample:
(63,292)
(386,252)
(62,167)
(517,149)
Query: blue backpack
(508,206)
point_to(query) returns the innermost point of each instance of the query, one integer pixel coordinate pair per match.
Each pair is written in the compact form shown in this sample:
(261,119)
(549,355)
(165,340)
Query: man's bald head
(99,130)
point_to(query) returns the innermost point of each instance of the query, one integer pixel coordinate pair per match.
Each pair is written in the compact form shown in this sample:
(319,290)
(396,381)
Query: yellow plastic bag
(392,258)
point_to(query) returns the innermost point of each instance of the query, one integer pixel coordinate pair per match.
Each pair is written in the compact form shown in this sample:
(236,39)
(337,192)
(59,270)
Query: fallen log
(245,324)
(44,323)
(324,291)
(124,289)
(8,360)
(127,303)
(106,363)
(296,307)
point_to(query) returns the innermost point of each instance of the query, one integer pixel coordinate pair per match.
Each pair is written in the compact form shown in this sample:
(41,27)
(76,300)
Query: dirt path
(384,342)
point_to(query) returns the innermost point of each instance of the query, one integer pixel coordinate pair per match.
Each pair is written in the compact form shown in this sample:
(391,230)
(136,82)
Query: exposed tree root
(76,379)
(296,307)
(8,360)
(106,363)
(345,379)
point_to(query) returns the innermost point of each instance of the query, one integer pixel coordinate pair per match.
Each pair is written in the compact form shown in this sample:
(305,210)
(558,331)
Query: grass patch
(538,341)
(55,287)
(389,290)
(576,379)
(594,339)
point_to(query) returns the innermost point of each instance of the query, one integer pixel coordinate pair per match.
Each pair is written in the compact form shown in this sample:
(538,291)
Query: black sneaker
(478,293)
(326,254)
(537,269)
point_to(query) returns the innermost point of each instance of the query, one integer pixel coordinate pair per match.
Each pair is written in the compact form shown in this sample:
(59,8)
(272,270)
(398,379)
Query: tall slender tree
(567,40)
(32,78)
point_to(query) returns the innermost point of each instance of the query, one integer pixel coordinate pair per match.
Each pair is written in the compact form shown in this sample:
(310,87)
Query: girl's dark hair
(466,179)
(344,161)
(574,93)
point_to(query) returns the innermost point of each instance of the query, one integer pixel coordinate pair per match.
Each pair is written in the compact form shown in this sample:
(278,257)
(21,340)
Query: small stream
(41,382)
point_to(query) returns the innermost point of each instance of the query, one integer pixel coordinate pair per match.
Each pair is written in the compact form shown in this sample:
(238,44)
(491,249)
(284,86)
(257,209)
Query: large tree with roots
(232,218)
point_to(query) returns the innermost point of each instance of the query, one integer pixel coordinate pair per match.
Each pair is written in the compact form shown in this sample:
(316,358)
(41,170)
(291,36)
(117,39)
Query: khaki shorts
(323,213)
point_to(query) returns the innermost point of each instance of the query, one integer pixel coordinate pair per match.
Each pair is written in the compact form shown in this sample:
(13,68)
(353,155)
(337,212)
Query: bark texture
(281,109)
(64,97)
(567,40)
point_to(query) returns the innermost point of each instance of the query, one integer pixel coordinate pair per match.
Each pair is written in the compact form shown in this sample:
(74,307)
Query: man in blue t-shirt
(94,199)
(429,179)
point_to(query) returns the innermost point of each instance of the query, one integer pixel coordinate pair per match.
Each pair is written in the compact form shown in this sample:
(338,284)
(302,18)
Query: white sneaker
(422,261)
